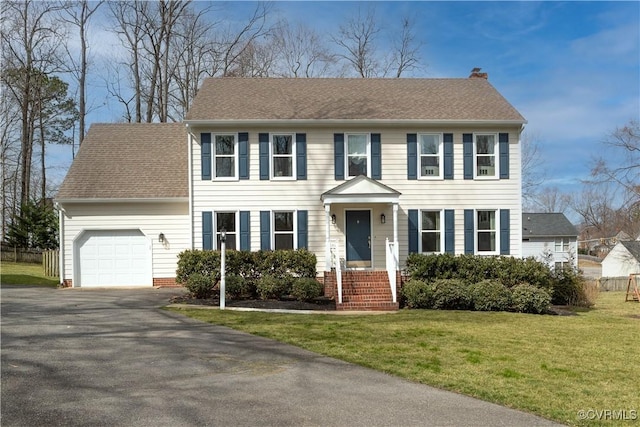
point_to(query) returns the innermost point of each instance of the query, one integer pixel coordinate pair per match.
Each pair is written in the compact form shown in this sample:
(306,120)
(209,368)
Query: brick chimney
(476,74)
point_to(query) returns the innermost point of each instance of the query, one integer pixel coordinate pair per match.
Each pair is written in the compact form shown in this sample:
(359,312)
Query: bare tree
(302,52)
(78,14)
(550,199)
(595,207)
(533,172)
(406,48)
(357,40)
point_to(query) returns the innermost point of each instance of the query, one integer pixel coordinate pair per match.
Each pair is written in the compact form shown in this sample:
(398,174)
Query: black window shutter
(265,230)
(449,231)
(205,156)
(503,142)
(243,155)
(376,156)
(338,155)
(263,141)
(467,155)
(448,155)
(413,230)
(303,234)
(412,156)
(468,232)
(504,232)
(207,231)
(245,227)
(301,156)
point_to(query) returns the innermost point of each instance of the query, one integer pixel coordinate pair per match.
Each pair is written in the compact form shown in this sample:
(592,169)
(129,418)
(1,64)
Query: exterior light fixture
(383,219)
(223,235)
(161,238)
(333,219)
(223,268)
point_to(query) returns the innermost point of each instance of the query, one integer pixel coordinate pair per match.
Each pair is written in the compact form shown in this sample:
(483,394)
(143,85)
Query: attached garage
(106,258)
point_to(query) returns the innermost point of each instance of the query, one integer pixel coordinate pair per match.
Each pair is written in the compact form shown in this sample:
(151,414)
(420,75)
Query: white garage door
(114,258)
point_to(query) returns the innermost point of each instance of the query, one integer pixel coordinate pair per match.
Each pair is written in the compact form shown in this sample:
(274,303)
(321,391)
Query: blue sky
(571,68)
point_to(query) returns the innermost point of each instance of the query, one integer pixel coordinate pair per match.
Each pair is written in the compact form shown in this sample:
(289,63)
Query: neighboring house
(549,237)
(622,260)
(337,166)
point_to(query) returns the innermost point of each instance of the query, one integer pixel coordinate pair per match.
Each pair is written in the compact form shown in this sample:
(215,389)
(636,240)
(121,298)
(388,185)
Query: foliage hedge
(565,285)
(490,295)
(266,274)
(527,298)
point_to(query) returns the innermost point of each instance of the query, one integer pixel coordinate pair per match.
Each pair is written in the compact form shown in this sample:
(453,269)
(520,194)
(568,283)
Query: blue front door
(358,236)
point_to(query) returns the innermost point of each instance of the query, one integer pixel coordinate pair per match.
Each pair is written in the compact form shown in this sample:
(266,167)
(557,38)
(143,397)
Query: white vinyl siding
(457,194)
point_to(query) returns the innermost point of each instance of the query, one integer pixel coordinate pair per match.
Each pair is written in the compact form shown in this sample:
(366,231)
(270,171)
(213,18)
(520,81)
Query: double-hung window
(485,155)
(283,230)
(226,220)
(562,244)
(283,155)
(357,158)
(487,231)
(430,146)
(225,156)
(431,235)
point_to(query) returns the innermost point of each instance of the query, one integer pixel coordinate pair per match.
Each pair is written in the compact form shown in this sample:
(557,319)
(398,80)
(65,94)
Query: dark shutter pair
(265,230)
(339,156)
(208,232)
(469,232)
(449,230)
(206,156)
(503,152)
(301,155)
(412,155)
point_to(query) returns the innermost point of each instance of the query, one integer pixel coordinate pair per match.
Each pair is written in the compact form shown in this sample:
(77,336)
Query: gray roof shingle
(547,225)
(633,246)
(129,161)
(469,99)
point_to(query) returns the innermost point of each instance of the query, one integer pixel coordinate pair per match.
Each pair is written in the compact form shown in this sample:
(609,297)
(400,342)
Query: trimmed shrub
(451,294)
(490,295)
(306,289)
(235,287)
(206,263)
(417,294)
(568,288)
(200,286)
(527,298)
(271,287)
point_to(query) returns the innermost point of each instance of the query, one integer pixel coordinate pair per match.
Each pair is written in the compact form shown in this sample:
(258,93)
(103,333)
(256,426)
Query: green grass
(19,273)
(552,366)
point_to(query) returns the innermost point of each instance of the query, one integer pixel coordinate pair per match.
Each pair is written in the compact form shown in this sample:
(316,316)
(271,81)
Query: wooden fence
(51,263)
(613,283)
(20,255)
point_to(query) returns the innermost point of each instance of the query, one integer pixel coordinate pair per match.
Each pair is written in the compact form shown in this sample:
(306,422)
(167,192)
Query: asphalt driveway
(113,358)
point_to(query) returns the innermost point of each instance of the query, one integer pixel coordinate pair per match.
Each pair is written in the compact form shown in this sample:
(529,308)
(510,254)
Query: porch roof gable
(361,189)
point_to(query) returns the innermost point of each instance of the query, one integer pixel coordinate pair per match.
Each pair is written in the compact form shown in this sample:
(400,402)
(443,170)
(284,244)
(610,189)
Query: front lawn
(553,366)
(20,273)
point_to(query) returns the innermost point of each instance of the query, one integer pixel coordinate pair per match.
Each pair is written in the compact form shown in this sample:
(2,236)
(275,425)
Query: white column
(327,249)
(395,223)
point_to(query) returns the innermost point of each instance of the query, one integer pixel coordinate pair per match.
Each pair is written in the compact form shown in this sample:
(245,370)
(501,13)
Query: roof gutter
(329,122)
(127,200)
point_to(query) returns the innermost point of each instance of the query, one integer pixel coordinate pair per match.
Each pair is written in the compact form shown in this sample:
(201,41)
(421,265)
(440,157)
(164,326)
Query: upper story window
(431,233)
(430,146)
(487,232)
(225,156)
(283,154)
(283,230)
(357,149)
(485,155)
(562,244)
(226,220)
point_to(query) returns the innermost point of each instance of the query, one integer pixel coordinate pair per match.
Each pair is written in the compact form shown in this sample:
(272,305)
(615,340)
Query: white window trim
(273,228)
(496,155)
(476,231)
(563,241)
(440,157)
(236,158)
(346,153)
(272,168)
(236,214)
(420,230)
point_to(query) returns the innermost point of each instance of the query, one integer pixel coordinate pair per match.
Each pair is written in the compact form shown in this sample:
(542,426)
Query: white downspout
(190,172)
(60,243)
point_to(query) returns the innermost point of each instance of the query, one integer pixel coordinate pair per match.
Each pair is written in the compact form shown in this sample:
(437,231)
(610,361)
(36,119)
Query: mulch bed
(320,304)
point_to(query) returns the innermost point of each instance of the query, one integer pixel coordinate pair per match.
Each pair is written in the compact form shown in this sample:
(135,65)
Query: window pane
(225,166)
(486,241)
(224,144)
(283,241)
(430,242)
(282,144)
(357,166)
(489,161)
(429,144)
(226,220)
(230,243)
(283,221)
(282,166)
(357,144)
(485,144)
(431,220)
(486,220)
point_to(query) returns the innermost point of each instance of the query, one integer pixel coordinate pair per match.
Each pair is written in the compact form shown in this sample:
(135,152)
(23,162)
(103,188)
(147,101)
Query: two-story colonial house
(359,171)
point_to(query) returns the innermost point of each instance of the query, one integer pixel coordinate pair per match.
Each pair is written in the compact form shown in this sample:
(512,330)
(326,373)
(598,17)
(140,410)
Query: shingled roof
(633,246)
(456,100)
(129,161)
(547,225)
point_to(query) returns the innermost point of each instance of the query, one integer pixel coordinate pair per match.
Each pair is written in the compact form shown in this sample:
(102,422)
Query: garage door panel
(114,258)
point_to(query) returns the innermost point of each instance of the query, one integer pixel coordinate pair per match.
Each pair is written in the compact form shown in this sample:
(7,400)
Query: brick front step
(366,290)
(368,306)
